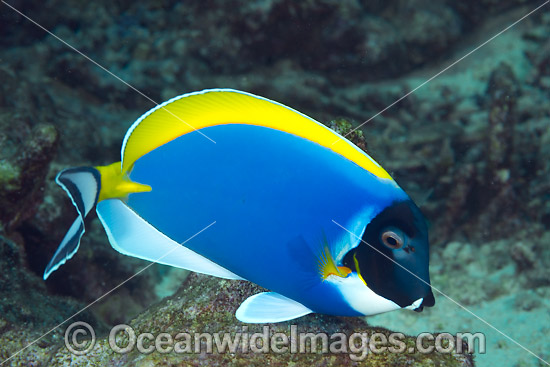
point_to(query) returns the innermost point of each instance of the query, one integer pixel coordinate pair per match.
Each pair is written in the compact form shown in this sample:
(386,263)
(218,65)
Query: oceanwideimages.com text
(80,339)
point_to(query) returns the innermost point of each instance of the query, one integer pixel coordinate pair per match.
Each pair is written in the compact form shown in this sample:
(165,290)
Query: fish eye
(393,238)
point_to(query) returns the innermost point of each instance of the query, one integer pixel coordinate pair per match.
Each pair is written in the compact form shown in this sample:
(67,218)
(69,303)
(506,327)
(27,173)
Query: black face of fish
(393,256)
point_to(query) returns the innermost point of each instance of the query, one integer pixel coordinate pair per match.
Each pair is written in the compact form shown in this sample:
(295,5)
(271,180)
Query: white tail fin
(82,184)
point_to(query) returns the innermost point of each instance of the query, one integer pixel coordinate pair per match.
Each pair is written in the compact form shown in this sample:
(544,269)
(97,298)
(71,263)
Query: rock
(27,311)
(345,128)
(207,305)
(345,41)
(22,173)
(313,56)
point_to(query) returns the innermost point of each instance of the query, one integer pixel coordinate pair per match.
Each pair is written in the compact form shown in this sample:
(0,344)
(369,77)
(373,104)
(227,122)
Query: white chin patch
(415,304)
(360,297)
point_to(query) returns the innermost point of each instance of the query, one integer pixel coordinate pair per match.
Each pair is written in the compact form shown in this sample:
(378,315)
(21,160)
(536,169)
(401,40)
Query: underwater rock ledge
(207,305)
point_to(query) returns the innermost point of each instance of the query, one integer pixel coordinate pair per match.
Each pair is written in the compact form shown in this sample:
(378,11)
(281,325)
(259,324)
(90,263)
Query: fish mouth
(419,304)
(415,305)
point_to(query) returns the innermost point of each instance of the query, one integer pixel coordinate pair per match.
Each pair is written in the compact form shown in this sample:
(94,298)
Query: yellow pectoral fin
(344,271)
(115,184)
(327,266)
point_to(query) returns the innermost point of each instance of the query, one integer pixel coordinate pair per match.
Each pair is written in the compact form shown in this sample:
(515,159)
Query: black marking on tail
(83,185)
(74,191)
(66,251)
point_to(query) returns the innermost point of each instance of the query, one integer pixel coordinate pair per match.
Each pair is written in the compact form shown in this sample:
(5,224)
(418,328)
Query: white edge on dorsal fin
(270,307)
(132,235)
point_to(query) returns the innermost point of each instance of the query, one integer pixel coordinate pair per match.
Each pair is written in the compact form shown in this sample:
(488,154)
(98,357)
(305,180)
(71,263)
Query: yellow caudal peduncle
(115,184)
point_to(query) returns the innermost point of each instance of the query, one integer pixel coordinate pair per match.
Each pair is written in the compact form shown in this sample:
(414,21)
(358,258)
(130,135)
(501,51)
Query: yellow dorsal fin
(195,111)
(328,267)
(115,184)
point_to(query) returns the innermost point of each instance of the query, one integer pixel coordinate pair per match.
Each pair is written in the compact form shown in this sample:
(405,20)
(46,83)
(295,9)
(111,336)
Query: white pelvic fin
(132,235)
(270,307)
(82,184)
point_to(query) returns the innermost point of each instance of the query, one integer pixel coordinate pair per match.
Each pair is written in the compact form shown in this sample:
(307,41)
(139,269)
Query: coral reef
(27,310)
(206,305)
(27,146)
(166,47)
(22,177)
(472,147)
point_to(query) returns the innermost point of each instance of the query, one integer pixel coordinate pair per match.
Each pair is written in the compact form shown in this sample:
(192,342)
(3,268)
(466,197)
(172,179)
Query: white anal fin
(132,235)
(270,307)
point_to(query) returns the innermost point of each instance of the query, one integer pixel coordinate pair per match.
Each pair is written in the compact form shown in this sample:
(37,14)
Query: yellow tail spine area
(115,184)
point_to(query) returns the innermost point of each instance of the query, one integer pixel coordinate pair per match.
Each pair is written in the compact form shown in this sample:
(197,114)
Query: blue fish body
(290,214)
(268,203)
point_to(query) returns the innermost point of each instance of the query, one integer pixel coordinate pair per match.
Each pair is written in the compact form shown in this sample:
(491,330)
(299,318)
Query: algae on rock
(207,305)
